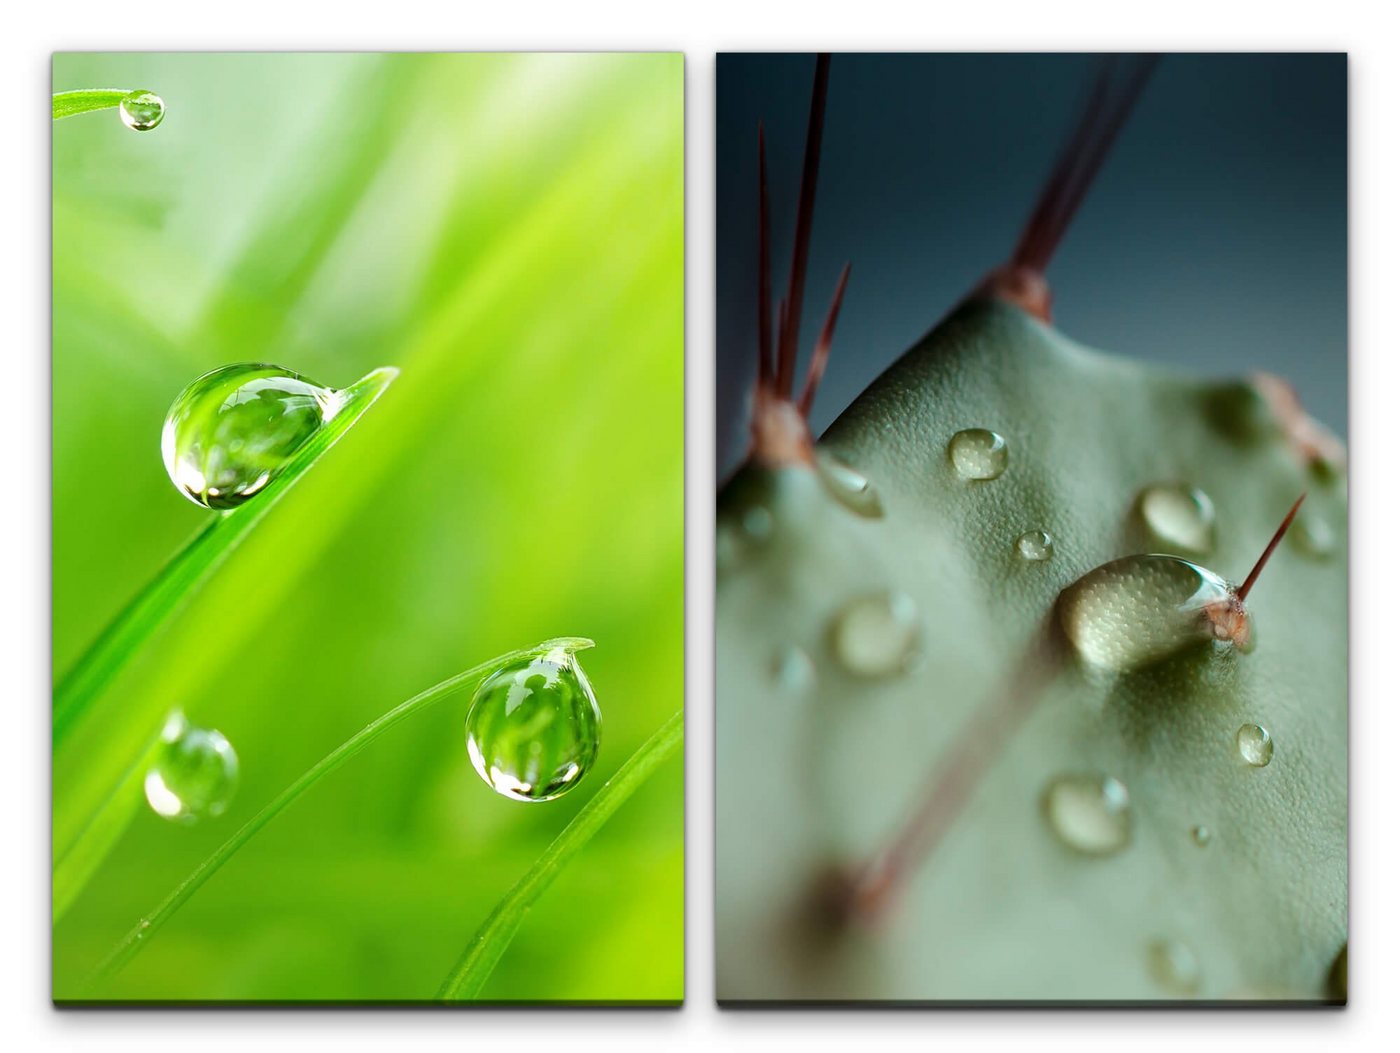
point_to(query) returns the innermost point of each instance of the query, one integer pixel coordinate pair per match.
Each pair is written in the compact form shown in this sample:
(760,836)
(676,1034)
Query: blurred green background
(507,230)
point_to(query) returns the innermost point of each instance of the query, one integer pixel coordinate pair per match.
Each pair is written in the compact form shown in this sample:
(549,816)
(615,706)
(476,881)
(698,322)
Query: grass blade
(154,605)
(69,103)
(475,966)
(141,933)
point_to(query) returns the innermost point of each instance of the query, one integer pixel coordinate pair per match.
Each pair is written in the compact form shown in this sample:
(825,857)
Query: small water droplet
(876,635)
(1179,515)
(1201,835)
(1035,546)
(1137,610)
(1174,967)
(848,485)
(1089,813)
(194,774)
(793,670)
(1312,536)
(142,110)
(757,522)
(1255,744)
(234,429)
(533,727)
(977,453)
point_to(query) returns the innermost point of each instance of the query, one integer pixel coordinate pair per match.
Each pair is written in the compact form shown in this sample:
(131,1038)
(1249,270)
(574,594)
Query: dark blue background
(1214,238)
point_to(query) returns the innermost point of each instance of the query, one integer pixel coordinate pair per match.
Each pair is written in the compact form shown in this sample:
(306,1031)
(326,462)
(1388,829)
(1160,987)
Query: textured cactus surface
(819,764)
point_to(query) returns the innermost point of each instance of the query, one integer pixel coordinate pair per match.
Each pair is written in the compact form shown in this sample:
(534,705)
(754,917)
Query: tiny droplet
(1035,546)
(1312,536)
(234,429)
(533,727)
(848,485)
(1201,835)
(1137,610)
(1255,744)
(194,774)
(876,635)
(1174,967)
(977,453)
(141,110)
(793,670)
(1089,813)
(1179,515)
(757,522)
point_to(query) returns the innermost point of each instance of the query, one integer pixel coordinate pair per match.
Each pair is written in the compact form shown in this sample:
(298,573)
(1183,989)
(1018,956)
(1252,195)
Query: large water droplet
(1180,516)
(1035,546)
(793,670)
(194,774)
(230,432)
(1255,744)
(142,110)
(1140,609)
(533,727)
(876,635)
(977,453)
(1173,965)
(848,485)
(1089,813)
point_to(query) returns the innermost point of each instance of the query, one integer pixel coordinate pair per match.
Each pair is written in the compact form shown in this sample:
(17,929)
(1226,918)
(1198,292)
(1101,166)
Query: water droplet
(533,727)
(1179,515)
(1174,967)
(848,485)
(1255,744)
(1140,609)
(1035,546)
(1312,536)
(876,635)
(232,430)
(1201,835)
(142,110)
(757,523)
(977,453)
(793,670)
(194,774)
(1089,813)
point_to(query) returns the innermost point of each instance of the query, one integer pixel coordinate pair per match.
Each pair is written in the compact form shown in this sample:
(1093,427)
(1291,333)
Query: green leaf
(474,968)
(76,814)
(140,934)
(69,103)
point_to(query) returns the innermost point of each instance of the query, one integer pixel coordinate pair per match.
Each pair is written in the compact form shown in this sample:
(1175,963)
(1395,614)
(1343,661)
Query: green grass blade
(475,966)
(141,933)
(72,869)
(69,103)
(155,604)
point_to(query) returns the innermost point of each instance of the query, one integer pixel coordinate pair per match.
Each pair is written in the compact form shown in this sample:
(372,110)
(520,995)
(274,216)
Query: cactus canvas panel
(1031,539)
(367,651)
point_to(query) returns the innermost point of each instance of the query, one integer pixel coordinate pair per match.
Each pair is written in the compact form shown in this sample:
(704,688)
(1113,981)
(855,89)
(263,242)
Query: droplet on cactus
(978,454)
(1140,609)
(1201,835)
(1089,813)
(848,485)
(877,635)
(793,670)
(757,522)
(1255,744)
(1312,536)
(1180,516)
(1035,546)
(1173,966)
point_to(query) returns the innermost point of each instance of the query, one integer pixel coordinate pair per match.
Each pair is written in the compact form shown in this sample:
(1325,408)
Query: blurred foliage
(507,230)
